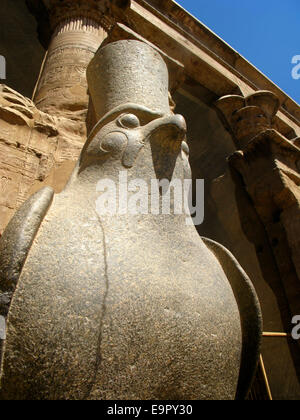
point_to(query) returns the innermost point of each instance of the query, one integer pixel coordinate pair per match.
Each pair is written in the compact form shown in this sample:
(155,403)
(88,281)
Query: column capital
(62,10)
(248,116)
(50,14)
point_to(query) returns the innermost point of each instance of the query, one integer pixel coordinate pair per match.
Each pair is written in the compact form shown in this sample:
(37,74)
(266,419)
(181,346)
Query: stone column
(266,169)
(268,164)
(269,168)
(78,28)
(247,117)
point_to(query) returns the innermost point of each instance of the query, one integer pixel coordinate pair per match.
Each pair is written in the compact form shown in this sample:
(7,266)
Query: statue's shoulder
(250,313)
(16,242)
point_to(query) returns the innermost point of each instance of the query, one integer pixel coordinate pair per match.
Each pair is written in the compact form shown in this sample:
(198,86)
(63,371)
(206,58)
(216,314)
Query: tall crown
(125,74)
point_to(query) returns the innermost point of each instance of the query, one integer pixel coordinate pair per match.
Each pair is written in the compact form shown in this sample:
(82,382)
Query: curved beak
(172,127)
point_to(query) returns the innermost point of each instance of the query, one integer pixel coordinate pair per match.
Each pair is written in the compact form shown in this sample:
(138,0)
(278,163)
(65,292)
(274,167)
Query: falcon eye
(129,121)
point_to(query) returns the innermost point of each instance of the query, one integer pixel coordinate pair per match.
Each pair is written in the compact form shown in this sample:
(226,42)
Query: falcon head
(121,134)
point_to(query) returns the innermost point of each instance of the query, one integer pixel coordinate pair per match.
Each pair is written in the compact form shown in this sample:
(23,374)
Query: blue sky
(265,32)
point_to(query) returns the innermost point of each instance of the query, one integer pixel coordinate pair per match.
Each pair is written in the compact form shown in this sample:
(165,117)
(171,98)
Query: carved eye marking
(129,121)
(113,142)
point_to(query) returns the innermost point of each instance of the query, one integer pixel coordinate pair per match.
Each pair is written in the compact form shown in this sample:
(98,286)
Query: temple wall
(33,145)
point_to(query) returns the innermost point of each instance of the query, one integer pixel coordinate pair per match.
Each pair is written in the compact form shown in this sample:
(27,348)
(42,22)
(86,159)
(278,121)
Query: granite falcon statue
(123,306)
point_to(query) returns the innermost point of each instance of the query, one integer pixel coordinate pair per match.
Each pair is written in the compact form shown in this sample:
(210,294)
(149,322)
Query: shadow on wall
(231,219)
(210,144)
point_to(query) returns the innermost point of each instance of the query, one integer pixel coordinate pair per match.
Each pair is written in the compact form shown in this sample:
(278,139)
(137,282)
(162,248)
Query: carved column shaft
(78,28)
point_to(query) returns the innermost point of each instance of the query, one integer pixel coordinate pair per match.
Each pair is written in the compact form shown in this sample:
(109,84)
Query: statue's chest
(111,312)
